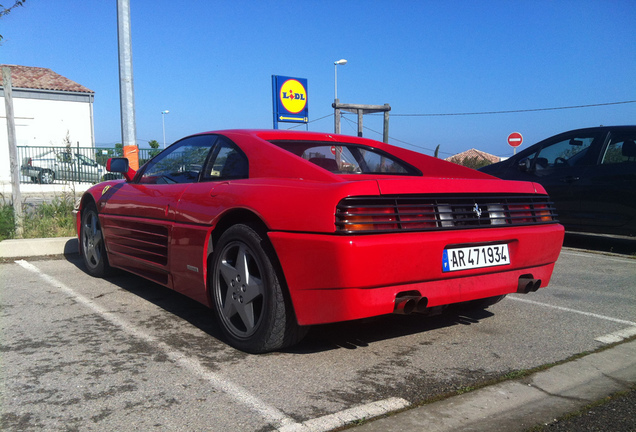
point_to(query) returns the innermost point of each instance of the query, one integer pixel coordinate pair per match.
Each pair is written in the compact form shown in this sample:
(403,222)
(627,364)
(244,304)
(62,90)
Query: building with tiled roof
(49,109)
(474,155)
(37,78)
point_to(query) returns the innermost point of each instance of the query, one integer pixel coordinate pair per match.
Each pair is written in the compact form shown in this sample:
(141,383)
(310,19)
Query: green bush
(7,223)
(53,219)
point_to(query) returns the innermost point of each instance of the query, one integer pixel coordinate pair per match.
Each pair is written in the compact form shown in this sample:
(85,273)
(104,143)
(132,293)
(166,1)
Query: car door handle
(570,179)
(218,188)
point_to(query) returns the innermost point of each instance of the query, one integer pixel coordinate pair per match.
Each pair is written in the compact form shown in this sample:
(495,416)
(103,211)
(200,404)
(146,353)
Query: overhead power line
(469,113)
(512,111)
(396,139)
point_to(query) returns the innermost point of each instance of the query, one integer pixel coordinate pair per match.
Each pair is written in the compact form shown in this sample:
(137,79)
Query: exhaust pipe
(422,305)
(528,284)
(405,305)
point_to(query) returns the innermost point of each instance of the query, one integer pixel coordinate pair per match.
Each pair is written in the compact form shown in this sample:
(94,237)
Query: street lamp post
(163,125)
(335,71)
(336,127)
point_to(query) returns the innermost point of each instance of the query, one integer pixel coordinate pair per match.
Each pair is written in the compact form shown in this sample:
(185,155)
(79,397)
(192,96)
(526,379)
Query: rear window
(342,158)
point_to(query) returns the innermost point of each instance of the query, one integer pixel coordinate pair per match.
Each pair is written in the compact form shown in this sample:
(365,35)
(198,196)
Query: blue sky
(210,63)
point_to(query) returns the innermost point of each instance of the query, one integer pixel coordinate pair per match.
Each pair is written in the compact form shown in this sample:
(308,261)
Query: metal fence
(70,164)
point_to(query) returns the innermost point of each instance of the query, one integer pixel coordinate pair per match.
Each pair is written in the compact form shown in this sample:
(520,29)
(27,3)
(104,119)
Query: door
(138,217)
(561,164)
(608,192)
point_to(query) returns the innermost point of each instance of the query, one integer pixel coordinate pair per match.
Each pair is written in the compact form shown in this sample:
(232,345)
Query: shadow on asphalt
(361,333)
(347,335)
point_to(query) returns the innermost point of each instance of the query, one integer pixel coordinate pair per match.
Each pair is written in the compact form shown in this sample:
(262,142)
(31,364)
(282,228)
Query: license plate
(473,257)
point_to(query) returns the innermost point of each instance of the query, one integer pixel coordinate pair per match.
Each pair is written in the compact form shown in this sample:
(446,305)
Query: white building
(47,108)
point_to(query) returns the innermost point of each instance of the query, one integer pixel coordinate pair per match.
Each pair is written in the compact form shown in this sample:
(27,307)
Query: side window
(182,162)
(620,149)
(65,157)
(227,162)
(564,153)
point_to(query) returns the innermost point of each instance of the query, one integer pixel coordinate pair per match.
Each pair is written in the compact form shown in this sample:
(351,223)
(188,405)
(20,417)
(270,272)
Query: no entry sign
(515,139)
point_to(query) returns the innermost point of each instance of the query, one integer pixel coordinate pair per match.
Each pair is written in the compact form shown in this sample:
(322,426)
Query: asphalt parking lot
(80,353)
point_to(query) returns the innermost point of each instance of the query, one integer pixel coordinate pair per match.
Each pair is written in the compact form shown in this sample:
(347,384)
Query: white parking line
(271,414)
(616,320)
(617,336)
(348,416)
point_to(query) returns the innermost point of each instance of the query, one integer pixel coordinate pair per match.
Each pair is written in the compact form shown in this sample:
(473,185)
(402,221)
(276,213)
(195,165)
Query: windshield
(342,158)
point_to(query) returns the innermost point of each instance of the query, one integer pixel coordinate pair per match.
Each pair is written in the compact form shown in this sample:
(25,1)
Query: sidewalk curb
(25,248)
(522,404)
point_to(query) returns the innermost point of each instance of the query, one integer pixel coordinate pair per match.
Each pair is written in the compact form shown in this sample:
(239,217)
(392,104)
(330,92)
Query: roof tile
(38,78)
(473,153)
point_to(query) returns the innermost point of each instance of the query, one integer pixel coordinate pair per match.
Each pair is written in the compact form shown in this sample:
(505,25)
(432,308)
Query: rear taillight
(368,219)
(417,216)
(520,213)
(542,213)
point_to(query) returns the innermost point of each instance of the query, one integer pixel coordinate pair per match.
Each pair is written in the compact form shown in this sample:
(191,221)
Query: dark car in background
(590,174)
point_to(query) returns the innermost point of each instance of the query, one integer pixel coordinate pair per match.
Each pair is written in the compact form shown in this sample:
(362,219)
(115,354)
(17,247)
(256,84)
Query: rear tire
(92,243)
(46,176)
(251,307)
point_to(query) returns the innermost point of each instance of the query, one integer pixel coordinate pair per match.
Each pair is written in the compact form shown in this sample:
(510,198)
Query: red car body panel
(320,269)
(166,233)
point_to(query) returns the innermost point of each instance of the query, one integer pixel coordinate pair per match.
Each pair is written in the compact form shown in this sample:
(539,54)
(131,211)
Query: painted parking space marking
(561,308)
(270,414)
(617,336)
(348,416)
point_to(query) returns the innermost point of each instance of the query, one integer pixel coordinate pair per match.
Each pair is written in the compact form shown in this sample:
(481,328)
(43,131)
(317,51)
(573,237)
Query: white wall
(41,122)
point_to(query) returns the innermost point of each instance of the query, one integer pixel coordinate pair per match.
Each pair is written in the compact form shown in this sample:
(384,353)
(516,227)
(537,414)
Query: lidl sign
(290,100)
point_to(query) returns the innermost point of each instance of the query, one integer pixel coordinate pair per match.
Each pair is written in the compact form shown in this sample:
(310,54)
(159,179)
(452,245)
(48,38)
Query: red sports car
(278,230)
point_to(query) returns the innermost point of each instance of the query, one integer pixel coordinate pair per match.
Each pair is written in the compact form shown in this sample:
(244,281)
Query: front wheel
(92,243)
(254,314)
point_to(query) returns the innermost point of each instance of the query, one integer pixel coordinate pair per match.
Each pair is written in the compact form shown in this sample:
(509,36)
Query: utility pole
(16,197)
(360,110)
(126,90)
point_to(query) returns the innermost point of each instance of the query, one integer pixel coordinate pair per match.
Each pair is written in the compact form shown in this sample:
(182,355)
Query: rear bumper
(338,278)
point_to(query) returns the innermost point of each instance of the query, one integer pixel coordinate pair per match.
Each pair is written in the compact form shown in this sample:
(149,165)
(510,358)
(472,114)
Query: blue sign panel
(290,100)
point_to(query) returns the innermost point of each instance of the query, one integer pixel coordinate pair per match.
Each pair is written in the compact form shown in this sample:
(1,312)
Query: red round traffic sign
(515,139)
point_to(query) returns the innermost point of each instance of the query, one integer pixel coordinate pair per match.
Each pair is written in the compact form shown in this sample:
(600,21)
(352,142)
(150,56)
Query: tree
(7,10)
(154,145)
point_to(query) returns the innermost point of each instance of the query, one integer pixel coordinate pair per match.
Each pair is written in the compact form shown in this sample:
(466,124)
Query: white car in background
(64,165)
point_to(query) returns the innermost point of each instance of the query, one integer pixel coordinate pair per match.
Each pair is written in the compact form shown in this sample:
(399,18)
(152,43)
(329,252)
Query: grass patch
(54,219)
(7,222)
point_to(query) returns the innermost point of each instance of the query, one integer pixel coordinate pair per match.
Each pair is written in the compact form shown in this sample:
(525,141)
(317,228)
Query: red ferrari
(279,230)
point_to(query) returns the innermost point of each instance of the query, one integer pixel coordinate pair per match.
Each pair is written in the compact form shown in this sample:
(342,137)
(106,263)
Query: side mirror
(524,165)
(120,165)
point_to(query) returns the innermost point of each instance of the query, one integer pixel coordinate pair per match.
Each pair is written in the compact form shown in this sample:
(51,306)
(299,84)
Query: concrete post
(16,197)
(126,88)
